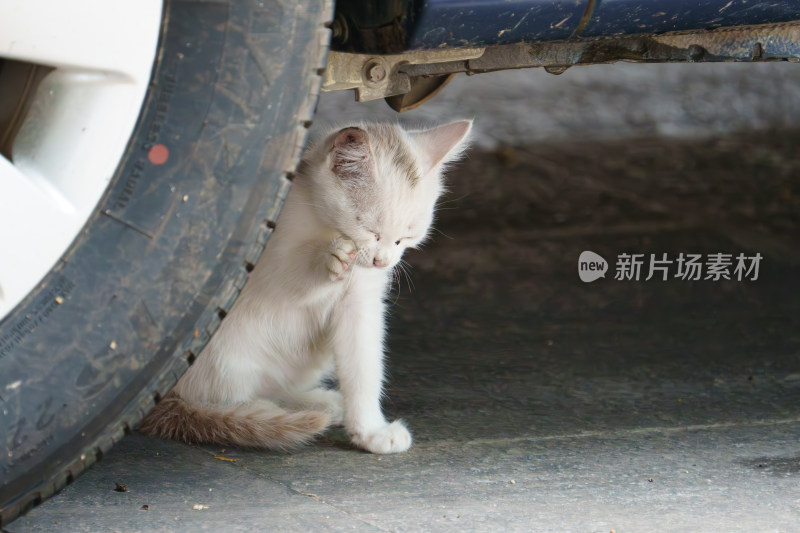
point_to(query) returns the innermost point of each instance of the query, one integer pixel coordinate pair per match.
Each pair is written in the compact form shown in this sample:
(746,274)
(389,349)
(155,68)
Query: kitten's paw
(391,438)
(341,258)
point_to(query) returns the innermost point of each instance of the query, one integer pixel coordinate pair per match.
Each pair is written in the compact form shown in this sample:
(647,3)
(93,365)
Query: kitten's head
(377,184)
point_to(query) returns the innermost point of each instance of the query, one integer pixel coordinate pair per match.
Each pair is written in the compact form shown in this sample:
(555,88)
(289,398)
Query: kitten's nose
(378,263)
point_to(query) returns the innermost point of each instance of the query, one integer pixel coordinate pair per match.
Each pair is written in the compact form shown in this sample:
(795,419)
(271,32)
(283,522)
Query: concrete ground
(539,402)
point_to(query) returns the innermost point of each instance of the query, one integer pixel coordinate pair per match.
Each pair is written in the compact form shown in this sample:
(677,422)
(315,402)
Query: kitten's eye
(397,242)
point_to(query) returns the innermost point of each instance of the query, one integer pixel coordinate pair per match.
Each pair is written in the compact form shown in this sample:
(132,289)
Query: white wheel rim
(78,126)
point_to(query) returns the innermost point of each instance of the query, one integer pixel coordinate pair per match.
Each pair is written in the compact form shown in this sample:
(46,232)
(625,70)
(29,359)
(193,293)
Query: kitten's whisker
(395,282)
(404,268)
(451,201)
(315,206)
(440,232)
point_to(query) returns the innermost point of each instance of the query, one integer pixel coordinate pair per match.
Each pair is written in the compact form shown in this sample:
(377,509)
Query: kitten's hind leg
(320,399)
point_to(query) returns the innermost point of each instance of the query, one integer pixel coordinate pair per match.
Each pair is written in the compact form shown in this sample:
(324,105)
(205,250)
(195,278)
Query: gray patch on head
(403,160)
(388,141)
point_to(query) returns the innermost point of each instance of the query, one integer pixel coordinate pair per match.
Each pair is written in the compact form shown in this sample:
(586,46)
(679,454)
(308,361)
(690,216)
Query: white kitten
(315,301)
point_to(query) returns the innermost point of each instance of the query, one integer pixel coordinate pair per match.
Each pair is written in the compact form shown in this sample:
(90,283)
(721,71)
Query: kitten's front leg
(340,258)
(358,351)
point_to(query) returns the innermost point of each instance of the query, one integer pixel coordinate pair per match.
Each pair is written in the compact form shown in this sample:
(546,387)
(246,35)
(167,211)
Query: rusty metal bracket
(379,76)
(382,76)
(774,42)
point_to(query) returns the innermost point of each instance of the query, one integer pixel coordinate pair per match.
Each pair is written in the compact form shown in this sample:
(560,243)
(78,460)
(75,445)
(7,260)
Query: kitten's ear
(350,154)
(445,143)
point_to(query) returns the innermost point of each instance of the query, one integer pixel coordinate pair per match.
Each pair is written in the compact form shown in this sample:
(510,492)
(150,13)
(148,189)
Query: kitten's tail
(258,424)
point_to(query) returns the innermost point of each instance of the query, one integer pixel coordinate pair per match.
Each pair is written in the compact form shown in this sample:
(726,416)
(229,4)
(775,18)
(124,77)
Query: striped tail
(258,424)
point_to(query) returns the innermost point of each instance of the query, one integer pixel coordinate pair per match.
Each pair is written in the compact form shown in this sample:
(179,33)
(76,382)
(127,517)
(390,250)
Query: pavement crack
(319,499)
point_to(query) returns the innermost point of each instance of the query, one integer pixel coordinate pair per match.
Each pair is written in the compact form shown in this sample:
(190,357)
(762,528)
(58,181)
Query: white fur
(315,301)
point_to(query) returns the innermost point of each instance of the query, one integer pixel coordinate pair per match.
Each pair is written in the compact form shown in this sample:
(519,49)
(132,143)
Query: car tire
(111,328)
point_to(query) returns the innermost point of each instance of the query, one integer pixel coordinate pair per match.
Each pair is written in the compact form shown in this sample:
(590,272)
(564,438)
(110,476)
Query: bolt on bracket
(374,76)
